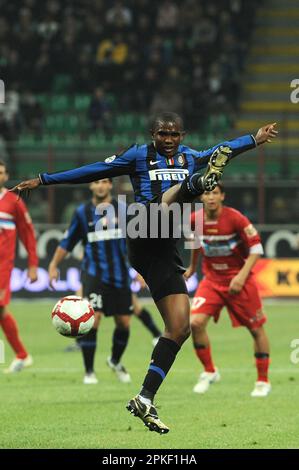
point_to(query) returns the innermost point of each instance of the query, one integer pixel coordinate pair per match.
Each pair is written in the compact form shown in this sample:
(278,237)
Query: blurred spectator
(167,99)
(168,15)
(99,112)
(32,114)
(119,16)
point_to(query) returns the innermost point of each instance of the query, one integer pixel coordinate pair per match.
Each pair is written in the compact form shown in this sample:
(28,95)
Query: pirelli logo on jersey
(169,174)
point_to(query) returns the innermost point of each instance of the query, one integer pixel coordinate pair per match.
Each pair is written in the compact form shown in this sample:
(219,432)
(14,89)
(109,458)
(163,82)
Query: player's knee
(257,333)
(197,323)
(182,333)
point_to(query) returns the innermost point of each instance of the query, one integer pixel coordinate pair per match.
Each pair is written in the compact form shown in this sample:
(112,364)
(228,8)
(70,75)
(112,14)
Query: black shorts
(105,298)
(159,263)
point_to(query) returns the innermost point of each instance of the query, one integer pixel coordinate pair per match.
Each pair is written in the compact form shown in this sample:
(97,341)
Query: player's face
(167,137)
(3,176)
(212,200)
(101,189)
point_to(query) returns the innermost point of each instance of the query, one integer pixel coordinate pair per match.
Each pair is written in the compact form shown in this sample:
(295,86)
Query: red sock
(10,328)
(205,357)
(262,365)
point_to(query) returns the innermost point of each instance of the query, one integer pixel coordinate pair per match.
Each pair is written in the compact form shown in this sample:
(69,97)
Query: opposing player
(164,171)
(14,220)
(105,274)
(230,247)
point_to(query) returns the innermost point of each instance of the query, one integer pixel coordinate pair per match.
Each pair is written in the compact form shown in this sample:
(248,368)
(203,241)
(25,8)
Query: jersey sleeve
(25,232)
(116,165)
(73,235)
(239,145)
(248,234)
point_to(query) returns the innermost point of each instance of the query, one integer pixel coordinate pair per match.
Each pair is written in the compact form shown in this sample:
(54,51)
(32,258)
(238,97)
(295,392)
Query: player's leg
(245,309)
(199,182)
(206,304)
(91,290)
(262,361)
(120,341)
(146,319)
(88,346)
(10,329)
(174,309)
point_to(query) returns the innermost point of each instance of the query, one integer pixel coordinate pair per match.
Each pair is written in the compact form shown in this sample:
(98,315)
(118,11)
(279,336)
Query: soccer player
(105,274)
(230,247)
(163,171)
(14,219)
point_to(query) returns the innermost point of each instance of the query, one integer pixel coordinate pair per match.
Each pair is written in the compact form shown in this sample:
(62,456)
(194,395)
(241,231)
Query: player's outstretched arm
(116,165)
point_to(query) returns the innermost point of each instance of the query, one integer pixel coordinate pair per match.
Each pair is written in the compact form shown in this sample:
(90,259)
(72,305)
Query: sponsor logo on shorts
(170,174)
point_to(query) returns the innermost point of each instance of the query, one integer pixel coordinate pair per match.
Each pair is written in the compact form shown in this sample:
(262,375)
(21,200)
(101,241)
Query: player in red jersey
(14,219)
(230,247)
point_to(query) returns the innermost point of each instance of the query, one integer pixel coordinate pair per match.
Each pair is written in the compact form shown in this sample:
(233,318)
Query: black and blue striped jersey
(105,251)
(151,173)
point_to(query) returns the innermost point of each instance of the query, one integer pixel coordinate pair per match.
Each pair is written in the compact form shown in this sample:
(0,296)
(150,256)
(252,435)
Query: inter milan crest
(181,159)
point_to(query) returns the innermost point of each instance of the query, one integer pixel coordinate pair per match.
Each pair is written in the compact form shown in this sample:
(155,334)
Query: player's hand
(141,281)
(32,274)
(188,273)
(26,185)
(266,134)
(53,275)
(236,284)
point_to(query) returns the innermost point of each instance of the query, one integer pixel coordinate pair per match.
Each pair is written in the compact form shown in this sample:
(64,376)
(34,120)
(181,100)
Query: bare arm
(237,283)
(193,264)
(59,255)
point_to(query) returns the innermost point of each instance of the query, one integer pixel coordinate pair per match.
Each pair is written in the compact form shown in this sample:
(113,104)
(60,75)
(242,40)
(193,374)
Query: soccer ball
(73,316)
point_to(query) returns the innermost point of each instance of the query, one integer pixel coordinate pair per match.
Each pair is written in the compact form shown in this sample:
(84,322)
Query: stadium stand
(140,54)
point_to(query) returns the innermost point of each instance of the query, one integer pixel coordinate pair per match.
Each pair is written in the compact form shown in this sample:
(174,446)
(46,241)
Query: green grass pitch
(47,406)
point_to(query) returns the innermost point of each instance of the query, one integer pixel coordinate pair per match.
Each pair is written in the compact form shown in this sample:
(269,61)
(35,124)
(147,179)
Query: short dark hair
(220,186)
(166,116)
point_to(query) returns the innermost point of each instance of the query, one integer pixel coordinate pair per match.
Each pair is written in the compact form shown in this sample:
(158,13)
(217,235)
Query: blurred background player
(105,276)
(230,247)
(14,220)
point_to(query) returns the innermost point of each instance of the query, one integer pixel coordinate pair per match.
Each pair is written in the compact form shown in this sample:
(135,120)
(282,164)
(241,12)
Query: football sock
(10,328)
(262,361)
(163,357)
(204,355)
(119,343)
(190,188)
(146,318)
(88,344)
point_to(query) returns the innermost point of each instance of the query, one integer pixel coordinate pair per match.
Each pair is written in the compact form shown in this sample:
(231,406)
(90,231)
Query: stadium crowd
(188,53)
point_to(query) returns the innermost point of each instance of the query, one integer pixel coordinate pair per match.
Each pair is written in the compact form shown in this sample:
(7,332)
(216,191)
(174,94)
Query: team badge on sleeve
(181,159)
(110,159)
(250,231)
